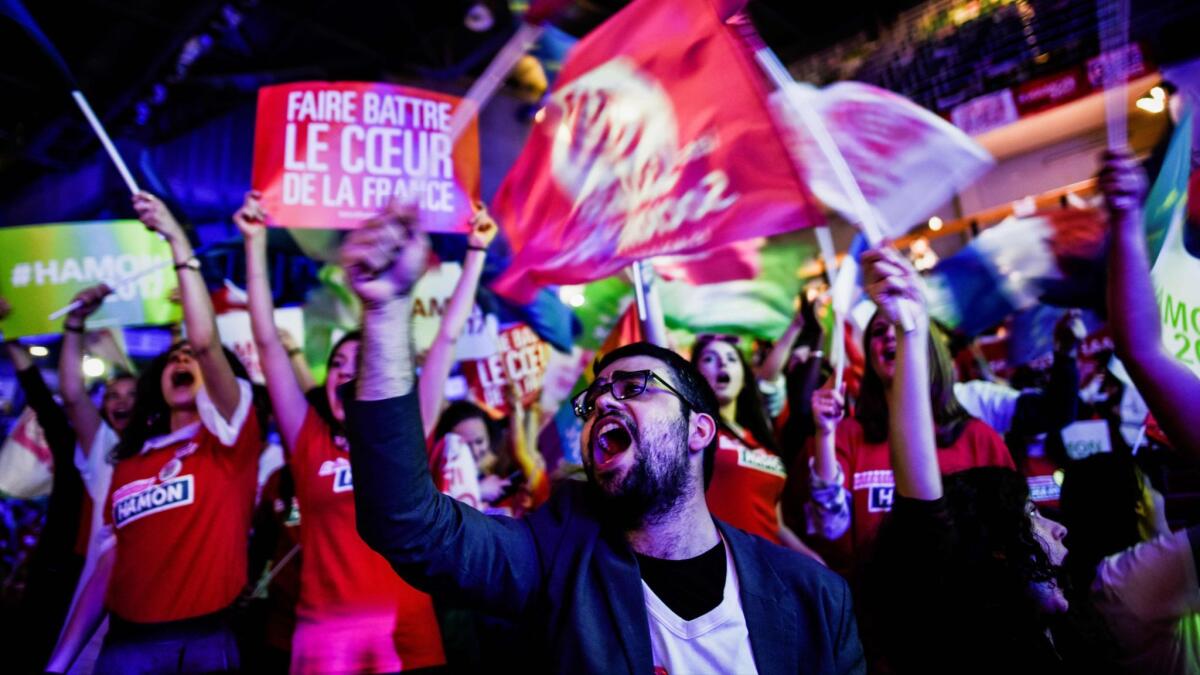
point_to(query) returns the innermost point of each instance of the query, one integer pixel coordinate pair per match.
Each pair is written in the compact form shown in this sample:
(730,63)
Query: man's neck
(686,532)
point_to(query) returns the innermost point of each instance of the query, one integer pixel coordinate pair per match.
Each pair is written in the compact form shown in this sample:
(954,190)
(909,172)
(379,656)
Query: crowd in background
(971,540)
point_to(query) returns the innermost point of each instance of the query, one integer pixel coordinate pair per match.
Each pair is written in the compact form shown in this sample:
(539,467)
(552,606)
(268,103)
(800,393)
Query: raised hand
(892,284)
(483,228)
(384,258)
(155,215)
(1123,182)
(828,406)
(89,300)
(251,219)
(1069,332)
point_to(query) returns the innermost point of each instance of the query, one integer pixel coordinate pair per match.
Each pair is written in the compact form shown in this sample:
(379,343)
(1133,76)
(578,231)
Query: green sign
(42,267)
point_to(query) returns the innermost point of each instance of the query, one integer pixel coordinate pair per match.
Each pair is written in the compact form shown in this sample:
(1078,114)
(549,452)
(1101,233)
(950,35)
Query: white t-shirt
(1150,600)
(717,642)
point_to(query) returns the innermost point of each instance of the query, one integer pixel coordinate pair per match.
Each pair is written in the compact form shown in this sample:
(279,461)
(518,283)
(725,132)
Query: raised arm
(287,395)
(827,512)
(86,613)
(893,284)
(435,542)
(1051,409)
(523,424)
(219,380)
(1169,387)
(80,409)
(440,358)
(777,359)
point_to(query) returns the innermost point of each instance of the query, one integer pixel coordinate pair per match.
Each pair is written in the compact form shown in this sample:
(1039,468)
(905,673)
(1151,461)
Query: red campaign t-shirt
(355,614)
(746,484)
(868,470)
(181,512)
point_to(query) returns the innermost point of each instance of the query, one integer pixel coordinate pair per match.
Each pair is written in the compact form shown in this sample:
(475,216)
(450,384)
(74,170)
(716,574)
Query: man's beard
(657,482)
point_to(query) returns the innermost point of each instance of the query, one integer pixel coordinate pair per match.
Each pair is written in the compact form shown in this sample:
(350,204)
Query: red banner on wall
(522,359)
(332,154)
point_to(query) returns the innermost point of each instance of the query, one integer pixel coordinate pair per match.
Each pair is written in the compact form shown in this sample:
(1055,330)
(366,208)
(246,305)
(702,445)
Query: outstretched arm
(219,381)
(893,284)
(86,614)
(78,405)
(440,358)
(287,396)
(777,359)
(1169,387)
(433,541)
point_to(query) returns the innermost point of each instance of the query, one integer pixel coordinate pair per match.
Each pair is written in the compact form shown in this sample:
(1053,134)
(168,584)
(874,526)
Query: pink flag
(657,140)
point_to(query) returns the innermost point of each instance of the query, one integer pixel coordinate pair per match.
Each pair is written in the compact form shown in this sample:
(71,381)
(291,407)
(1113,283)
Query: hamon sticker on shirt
(156,498)
(880,486)
(343,479)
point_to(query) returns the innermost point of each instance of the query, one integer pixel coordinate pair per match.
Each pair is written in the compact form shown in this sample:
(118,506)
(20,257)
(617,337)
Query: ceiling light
(93,367)
(479,18)
(1151,105)
(39,351)
(935,223)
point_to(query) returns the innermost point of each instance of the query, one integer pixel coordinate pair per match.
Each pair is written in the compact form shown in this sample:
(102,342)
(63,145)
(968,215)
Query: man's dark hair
(685,378)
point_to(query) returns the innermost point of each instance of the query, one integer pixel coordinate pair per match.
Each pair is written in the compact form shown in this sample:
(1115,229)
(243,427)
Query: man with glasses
(625,573)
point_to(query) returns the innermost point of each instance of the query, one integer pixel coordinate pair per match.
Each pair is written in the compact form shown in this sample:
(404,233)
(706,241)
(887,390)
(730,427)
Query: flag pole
(829,255)
(639,289)
(867,216)
(117,283)
(485,87)
(1112,19)
(105,141)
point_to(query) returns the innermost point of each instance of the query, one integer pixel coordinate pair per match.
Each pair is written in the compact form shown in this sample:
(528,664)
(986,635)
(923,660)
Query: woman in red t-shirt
(355,614)
(748,474)
(173,552)
(850,471)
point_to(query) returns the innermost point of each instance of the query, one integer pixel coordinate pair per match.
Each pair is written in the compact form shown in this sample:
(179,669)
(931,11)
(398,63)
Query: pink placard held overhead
(332,154)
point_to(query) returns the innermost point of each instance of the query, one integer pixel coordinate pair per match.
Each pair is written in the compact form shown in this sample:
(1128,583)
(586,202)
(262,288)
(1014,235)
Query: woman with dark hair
(964,577)
(182,497)
(1137,574)
(748,473)
(354,615)
(851,479)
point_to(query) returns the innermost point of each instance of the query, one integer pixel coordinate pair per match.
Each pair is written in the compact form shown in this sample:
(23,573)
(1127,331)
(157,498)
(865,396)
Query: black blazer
(566,575)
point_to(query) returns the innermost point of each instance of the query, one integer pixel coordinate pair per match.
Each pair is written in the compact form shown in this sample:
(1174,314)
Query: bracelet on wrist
(295,351)
(192,263)
(473,247)
(73,328)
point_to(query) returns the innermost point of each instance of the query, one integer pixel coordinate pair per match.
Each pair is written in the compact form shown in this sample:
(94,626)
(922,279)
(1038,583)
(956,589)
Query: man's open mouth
(610,438)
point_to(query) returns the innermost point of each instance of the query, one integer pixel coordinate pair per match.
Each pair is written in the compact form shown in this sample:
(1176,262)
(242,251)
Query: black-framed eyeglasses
(624,384)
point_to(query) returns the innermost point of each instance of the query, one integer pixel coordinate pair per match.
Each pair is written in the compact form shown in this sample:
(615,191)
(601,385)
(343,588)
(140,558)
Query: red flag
(657,140)
(627,331)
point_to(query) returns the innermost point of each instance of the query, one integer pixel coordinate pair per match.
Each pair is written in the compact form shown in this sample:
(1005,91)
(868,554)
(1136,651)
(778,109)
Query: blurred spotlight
(479,18)
(1154,102)
(94,367)
(935,223)
(38,351)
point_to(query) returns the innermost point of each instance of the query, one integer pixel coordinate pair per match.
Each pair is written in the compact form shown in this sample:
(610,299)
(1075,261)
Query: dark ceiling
(156,68)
